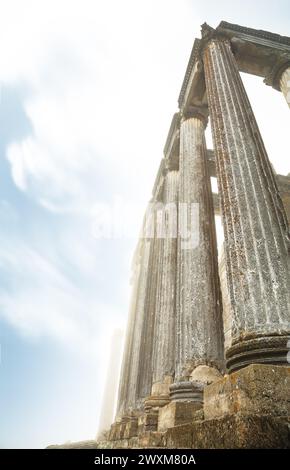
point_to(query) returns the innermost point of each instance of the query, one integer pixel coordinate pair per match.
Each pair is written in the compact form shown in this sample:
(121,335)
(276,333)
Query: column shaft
(139,325)
(199,332)
(164,340)
(145,367)
(254,220)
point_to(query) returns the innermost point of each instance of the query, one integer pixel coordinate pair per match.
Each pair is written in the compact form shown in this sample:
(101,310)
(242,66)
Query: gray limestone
(164,341)
(199,333)
(254,219)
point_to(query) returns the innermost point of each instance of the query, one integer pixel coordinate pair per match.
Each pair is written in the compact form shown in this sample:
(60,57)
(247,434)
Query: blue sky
(87,92)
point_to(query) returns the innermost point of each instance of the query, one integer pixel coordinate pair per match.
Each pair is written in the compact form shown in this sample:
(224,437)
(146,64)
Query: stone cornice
(172,135)
(159,181)
(258,52)
(255,33)
(194,56)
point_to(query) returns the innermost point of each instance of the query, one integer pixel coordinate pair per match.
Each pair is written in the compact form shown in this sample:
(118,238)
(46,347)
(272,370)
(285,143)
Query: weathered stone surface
(205,375)
(187,391)
(162,388)
(114,431)
(148,422)
(250,407)
(164,329)
(127,396)
(241,432)
(151,439)
(284,189)
(257,52)
(179,437)
(227,311)
(199,335)
(231,432)
(131,428)
(256,389)
(254,220)
(153,402)
(145,367)
(176,413)
(285,85)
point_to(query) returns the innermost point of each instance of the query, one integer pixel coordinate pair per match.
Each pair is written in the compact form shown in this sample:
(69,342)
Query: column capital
(198,112)
(273,79)
(209,35)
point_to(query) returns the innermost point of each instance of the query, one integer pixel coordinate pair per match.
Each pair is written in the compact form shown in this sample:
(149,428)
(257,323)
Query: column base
(187,391)
(155,402)
(263,350)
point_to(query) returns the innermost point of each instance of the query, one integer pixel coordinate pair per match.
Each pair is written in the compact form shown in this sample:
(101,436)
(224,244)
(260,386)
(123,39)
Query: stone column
(199,332)
(145,368)
(254,220)
(130,362)
(285,84)
(164,330)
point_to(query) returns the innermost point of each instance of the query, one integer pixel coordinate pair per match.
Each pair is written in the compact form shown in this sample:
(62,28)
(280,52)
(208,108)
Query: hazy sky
(88,89)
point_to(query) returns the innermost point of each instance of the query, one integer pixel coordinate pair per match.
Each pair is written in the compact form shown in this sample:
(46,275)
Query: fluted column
(129,371)
(254,220)
(285,85)
(199,332)
(145,367)
(164,341)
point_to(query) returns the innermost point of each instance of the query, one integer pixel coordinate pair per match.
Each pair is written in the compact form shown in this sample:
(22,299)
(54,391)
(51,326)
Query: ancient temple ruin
(206,362)
(205,358)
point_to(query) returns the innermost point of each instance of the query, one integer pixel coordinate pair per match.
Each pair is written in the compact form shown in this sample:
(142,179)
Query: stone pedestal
(177,413)
(257,389)
(148,421)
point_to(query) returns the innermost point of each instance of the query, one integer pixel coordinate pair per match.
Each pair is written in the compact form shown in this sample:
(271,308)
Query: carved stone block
(256,389)
(176,413)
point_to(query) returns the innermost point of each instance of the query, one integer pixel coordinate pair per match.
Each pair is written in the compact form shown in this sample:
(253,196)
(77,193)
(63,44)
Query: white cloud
(96,91)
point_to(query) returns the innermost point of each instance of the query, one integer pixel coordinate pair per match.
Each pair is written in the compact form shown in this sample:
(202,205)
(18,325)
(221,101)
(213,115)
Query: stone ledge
(231,432)
(257,389)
